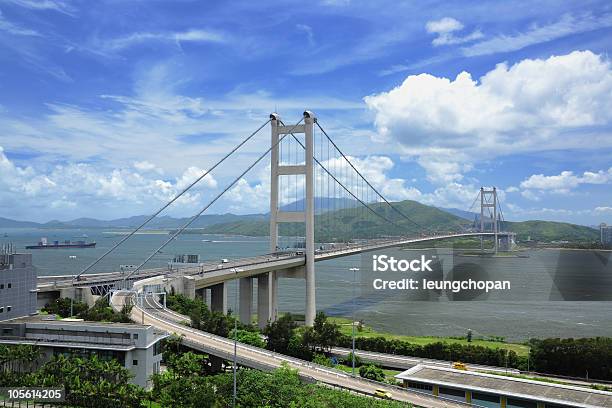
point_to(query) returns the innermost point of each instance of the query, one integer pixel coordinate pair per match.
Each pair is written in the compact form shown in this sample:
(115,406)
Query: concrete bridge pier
(267,298)
(218,298)
(203,295)
(245,293)
(79,294)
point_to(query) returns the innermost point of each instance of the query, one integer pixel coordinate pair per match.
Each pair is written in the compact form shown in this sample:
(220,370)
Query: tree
(248,337)
(322,335)
(101,311)
(469,336)
(322,359)
(279,333)
(349,360)
(372,372)
(61,307)
(90,381)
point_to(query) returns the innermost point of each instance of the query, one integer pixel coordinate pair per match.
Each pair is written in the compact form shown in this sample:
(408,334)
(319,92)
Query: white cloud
(444,25)
(15,29)
(512,189)
(445,29)
(306,29)
(56,5)
(603,210)
(567,25)
(255,197)
(534,105)
(87,186)
(177,37)
(144,165)
(562,183)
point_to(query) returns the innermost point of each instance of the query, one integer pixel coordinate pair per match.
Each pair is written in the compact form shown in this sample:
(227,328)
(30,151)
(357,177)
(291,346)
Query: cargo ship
(44,244)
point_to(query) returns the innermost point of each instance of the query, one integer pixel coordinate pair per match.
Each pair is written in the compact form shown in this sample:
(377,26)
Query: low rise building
(498,391)
(136,347)
(17,284)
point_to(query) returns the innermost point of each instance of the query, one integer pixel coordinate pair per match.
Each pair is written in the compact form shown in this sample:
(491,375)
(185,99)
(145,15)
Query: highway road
(405,362)
(150,312)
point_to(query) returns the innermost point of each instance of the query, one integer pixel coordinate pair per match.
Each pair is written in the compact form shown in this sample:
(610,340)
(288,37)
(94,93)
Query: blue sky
(108,108)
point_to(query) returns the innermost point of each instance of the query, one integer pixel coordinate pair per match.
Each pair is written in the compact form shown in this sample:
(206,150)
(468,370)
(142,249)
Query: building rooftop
(509,386)
(51,319)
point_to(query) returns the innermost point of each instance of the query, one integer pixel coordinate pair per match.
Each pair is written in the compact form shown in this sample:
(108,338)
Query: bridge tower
(488,205)
(306,216)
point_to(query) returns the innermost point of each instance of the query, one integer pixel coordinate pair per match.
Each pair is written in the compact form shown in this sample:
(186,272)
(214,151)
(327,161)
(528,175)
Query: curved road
(151,313)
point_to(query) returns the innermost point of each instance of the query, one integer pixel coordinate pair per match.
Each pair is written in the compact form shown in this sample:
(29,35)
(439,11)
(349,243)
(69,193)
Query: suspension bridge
(335,211)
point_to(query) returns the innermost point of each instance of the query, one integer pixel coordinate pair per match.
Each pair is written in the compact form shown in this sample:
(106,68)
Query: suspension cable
(370,185)
(195,217)
(342,185)
(207,172)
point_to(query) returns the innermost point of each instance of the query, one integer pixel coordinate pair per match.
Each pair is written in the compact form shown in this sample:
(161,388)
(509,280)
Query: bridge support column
(218,298)
(307,216)
(201,294)
(245,293)
(311,305)
(267,290)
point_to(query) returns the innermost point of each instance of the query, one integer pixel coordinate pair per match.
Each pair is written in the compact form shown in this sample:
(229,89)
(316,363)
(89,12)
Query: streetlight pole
(353,319)
(235,270)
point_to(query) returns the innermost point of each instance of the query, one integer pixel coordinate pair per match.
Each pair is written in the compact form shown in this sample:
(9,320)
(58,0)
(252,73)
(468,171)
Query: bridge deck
(211,273)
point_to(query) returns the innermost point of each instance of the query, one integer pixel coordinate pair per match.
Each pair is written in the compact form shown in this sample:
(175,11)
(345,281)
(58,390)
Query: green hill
(341,225)
(551,231)
(353,223)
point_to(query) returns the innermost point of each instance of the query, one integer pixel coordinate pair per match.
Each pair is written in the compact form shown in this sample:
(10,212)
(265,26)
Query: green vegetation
(202,318)
(492,342)
(101,311)
(554,356)
(89,382)
(372,372)
(586,357)
(281,388)
(347,224)
(61,307)
(551,231)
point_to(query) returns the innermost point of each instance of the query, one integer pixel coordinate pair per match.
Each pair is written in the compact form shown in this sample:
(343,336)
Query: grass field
(345,328)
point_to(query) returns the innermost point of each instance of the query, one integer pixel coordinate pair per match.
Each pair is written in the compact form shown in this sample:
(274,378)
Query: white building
(136,347)
(17,285)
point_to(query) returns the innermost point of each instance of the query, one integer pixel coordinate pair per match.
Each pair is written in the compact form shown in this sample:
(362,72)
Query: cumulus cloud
(562,183)
(534,105)
(445,29)
(376,169)
(86,186)
(603,210)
